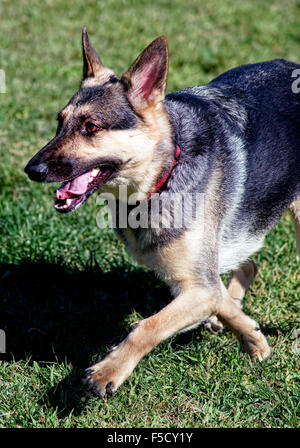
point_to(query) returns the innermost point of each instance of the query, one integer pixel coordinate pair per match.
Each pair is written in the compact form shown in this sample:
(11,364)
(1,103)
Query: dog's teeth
(94,172)
(68,201)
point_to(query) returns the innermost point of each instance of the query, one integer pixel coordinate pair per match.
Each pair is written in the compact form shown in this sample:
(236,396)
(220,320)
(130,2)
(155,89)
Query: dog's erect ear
(145,81)
(92,64)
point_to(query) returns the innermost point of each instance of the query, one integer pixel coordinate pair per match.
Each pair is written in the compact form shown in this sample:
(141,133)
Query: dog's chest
(138,245)
(174,258)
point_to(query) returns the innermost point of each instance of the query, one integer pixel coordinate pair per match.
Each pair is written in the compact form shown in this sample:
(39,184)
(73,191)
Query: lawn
(69,291)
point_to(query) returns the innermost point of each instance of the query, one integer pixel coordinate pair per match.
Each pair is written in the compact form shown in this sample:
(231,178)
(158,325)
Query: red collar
(166,176)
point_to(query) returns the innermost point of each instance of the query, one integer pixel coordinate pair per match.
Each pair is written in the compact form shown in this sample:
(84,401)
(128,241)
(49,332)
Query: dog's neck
(164,153)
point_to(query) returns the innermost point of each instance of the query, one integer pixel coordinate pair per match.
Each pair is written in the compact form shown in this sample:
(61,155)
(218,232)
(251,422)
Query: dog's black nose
(37,172)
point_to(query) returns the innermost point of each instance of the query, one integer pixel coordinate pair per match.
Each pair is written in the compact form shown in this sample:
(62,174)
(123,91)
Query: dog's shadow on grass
(54,314)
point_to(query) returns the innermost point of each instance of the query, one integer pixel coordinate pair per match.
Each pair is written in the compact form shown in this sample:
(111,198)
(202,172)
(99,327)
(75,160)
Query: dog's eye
(90,128)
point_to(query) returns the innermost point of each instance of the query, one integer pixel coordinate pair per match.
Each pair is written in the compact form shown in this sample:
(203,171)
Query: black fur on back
(253,104)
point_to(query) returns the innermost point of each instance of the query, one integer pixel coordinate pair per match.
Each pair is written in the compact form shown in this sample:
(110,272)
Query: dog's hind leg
(243,326)
(241,281)
(238,286)
(295,209)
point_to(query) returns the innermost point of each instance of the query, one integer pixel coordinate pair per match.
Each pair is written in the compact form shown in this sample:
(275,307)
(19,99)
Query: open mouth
(75,192)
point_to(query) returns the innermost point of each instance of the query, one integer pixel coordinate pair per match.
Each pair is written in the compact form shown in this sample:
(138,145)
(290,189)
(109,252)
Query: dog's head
(111,131)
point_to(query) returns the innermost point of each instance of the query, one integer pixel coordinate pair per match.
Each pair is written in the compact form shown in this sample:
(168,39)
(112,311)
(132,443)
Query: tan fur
(67,111)
(295,209)
(233,317)
(103,75)
(238,286)
(66,149)
(139,151)
(175,270)
(241,280)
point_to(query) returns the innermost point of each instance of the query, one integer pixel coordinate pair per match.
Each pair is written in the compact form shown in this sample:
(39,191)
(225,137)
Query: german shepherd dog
(235,140)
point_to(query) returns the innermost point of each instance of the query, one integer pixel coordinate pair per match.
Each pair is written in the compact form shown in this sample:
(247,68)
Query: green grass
(69,290)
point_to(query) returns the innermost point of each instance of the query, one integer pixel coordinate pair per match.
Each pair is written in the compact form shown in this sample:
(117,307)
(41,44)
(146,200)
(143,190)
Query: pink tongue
(76,187)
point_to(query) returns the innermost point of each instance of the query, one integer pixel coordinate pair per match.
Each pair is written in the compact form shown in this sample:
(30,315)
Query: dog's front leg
(190,307)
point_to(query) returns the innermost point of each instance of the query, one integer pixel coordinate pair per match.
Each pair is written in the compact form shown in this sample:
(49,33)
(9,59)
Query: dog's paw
(105,377)
(213,325)
(256,345)
(98,382)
